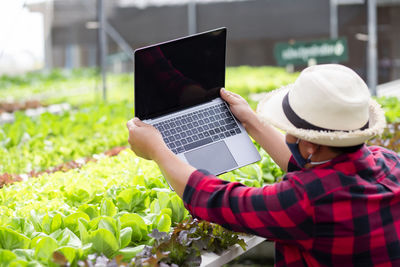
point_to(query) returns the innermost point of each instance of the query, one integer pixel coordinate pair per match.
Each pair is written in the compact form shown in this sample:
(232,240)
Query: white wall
(21,39)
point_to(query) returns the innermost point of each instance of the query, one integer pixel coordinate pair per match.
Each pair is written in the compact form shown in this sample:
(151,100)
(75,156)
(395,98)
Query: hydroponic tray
(213,260)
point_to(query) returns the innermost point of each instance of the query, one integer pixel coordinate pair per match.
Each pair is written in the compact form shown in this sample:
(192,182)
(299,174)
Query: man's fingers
(228,96)
(135,122)
(224,93)
(138,122)
(228,93)
(130,125)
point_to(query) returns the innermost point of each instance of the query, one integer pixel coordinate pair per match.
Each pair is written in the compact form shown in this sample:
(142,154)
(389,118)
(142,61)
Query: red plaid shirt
(343,213)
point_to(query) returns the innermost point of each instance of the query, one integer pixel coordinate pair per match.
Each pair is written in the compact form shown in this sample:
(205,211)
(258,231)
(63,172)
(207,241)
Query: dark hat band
(302,124)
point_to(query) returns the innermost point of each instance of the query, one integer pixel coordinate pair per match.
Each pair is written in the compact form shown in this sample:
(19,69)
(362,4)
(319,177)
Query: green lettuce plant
(109,207)
(36,144)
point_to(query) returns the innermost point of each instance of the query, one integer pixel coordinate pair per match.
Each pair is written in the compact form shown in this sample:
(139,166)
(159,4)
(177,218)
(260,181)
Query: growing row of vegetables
(35,144)
(31,145)
(109,207)
(83,85)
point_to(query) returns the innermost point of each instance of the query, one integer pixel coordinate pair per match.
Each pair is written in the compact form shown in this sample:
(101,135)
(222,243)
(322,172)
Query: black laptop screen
(180,73)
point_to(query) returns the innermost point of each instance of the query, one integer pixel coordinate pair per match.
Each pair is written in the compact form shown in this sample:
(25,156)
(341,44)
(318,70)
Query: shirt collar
(361,153)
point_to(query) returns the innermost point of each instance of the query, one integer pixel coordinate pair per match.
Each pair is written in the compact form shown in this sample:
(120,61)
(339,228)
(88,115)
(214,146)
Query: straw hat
(327,105)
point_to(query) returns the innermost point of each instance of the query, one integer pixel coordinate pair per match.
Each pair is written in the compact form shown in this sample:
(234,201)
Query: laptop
(177,85)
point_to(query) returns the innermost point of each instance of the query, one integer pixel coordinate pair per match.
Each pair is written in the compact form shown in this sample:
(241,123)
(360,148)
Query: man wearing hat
(339,202)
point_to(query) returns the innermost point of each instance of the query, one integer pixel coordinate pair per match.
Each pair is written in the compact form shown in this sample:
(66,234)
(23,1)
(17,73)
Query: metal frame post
(102,45)
(333,19)
(114,34)
(48,21)
(372,63)
(192,17)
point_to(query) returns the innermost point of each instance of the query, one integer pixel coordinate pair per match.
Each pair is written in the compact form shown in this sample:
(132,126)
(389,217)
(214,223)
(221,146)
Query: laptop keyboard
(198,128)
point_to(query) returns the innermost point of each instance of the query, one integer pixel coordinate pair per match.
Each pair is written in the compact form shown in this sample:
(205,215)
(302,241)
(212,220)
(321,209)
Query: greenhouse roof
(147,3)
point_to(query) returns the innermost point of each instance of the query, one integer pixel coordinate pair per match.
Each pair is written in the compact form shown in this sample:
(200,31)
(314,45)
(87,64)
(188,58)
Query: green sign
(303,53)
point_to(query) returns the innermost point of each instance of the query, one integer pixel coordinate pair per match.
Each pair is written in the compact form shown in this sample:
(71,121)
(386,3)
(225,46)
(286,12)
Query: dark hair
(346,149)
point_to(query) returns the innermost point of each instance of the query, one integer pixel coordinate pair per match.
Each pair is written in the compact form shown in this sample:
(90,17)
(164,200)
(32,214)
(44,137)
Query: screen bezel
(140,114)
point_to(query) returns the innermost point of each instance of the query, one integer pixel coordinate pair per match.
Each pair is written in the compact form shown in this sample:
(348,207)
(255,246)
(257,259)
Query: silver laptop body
(177,91)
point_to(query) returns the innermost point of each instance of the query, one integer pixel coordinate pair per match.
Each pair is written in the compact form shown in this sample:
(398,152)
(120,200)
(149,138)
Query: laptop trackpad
(215,158)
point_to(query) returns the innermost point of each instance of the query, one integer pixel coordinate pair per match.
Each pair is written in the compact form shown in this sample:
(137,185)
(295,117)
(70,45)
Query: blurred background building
(71,36)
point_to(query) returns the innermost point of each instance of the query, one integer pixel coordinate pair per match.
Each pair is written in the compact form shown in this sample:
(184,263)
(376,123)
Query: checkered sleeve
(279,212)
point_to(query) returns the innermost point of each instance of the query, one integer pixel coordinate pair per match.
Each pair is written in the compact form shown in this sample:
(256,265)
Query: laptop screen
(180,73)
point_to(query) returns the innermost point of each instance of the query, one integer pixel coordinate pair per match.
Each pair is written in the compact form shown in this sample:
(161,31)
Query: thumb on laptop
(138,122)
(230,97)
(135,122)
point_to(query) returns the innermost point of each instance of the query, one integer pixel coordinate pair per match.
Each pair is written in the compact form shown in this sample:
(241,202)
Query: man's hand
(268,137)
(147,143)
(239,106)
(145,140)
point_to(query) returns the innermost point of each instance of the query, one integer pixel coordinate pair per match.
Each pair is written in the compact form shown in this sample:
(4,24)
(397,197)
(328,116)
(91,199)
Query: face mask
(294,148)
